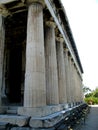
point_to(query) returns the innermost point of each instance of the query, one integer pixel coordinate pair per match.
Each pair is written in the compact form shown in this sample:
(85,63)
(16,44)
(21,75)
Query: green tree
(95,93)
(89,95)
(92,98)
(86,90)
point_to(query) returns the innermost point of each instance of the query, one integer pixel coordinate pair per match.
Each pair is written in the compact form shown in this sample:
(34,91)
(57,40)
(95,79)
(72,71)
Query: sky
(83,20)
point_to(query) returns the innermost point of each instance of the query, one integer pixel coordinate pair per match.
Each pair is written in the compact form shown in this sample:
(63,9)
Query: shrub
(91,100)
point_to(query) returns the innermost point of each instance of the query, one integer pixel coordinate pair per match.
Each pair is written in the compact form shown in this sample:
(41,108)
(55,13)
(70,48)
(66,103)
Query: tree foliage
(92,97)
(95,93)
(86,89)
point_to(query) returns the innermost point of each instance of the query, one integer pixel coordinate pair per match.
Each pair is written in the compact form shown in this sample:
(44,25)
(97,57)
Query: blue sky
(83,19)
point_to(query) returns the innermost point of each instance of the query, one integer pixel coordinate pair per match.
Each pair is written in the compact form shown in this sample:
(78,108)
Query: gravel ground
(91,122)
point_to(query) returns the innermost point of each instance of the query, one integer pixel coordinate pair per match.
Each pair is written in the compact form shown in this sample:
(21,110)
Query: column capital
(66,50)
(29,2)
(72,62)
(3,11)
(50,23)
(60,39)
(70,58)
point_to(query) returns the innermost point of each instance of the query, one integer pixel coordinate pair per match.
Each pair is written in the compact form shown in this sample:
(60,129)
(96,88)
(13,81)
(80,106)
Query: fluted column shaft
(70,78)
(67,76)
(73,82)
(51,65)
(78,91)
(35,91)
(2,39)
(61,71)
(75,86)
(80,87)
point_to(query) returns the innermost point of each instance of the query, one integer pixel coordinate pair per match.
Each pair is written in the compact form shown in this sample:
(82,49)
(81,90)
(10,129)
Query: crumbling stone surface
(28,128)
(58,121)
(20,128)
(3,125)
(14,120)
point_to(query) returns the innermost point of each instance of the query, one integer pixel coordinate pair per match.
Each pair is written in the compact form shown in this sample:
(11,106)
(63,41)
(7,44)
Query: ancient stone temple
(40,69)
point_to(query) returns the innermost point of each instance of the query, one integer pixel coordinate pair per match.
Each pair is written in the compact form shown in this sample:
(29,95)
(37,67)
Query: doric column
(35,91)
(73,82)
(79,94)
(80,87)
(67,76)
(70,78)
(77,86)
(61,71)
(51,64)
(2,39)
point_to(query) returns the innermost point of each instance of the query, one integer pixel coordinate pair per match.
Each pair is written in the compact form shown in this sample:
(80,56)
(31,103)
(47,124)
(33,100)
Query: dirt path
(92,119)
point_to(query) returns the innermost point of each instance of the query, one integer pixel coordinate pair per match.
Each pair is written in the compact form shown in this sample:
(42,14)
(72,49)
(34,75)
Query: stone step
(14,112)
(3,125)
(28,128)
(21,128)
(14,119)
(12,107)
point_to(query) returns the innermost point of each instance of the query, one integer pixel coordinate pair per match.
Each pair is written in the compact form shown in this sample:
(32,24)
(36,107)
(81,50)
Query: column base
(41,111)
(70,105)
(3,109)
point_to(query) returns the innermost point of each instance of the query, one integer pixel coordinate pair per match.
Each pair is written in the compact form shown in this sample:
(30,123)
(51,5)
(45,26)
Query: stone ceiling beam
(4,11)
(6,1)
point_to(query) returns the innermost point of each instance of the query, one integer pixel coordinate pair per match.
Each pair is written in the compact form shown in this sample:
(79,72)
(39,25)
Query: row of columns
(51,66)
(51,77)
